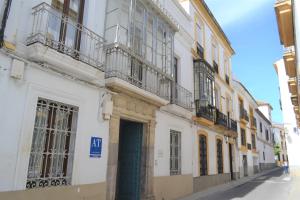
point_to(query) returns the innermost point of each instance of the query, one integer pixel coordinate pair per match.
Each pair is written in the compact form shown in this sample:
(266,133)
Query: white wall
(165,123)
(19,99)
(289,120)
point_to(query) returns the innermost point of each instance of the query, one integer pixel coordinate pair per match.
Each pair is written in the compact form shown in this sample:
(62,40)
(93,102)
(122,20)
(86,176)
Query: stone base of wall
(236,175)
(266,166)
(79,192)
(256,169)
(204,182)
(172,187)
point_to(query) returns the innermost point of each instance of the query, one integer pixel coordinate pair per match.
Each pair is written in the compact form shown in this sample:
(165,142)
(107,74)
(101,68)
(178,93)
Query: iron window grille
(203,155)
(220,156)
(253,142)
(53,143)
(243,137)
(175,152)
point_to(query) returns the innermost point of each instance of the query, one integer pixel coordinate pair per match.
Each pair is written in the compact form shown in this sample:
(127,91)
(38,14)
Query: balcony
(292,83)
(253,123)
(181,96)
(244,116)
(65,44)
(127,71)
(284,14)
(232,125)
(216,67)
(204,110)
(289,58)
(221,119)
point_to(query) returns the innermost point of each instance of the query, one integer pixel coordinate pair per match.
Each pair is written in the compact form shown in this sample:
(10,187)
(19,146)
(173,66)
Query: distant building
(280,140)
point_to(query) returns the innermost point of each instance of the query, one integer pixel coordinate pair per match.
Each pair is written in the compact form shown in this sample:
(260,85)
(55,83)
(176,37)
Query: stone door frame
(133,109)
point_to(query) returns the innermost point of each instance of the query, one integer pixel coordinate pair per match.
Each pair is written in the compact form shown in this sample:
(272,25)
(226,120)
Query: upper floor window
(260,127)
(72,13)
(199,32)
(141,29)
(53,144)
(204,82)
(267,134)
(243,137)
(215,50)
(175,70)
(253,141)
(175,152)
(220,156)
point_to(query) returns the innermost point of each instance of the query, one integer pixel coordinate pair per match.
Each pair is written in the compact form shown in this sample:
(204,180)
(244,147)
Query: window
(203,155)
(52,148)
(215,50)
(69,34)
(220,156)
(199,31)
(260,127)
(267,134)
(264,156)
(175,152)
(253,141)
(217,97)
(175,70)
(243,137)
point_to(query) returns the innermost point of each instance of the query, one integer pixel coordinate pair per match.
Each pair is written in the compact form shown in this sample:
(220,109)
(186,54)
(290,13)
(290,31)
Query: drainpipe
(7,4)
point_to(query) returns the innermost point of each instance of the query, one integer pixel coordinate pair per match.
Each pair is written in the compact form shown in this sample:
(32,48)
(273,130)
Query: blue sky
(251,28)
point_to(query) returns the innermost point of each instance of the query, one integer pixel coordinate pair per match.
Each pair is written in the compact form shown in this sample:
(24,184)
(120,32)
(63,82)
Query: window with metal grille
(243,137)
(219,156)
(175,152)
(203,155)
(253,141)
(267,134)
(52,149)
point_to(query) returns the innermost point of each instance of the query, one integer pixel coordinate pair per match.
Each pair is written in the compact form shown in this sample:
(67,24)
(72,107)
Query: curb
(226,186)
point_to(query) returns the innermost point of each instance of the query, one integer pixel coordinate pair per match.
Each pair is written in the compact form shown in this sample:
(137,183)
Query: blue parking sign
(96,147)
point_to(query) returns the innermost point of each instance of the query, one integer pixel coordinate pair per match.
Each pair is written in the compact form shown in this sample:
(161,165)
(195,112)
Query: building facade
(119,99)
(265,137)
(288,69)
(280,141)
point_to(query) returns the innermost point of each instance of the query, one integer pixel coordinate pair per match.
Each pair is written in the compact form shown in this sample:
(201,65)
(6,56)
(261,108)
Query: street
(273,186)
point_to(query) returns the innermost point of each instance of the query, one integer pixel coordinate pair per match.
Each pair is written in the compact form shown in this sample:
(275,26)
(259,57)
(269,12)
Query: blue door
(129,161)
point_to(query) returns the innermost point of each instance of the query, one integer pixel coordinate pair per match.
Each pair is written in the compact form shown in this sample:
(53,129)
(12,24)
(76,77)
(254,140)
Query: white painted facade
(19,97)
(265,143)
(289,119)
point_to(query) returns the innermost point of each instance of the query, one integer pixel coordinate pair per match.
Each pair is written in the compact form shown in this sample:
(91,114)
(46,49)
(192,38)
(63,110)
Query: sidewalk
(226,186)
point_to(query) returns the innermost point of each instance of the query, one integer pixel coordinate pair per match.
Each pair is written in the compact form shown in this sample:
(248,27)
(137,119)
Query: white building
(280,140)
(245,106)
(288,71)
(289,119)
(52,101)
(265,137)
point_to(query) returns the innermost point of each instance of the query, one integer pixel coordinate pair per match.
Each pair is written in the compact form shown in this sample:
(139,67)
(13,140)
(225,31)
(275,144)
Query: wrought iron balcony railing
(253,122)
(244,114)
(181,96)
(57,31)
(221,118)
(233,125)
(205,111)
(216,67)
(122,63)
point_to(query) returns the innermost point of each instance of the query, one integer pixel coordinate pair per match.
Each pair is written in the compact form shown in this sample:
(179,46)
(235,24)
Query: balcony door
(69,27)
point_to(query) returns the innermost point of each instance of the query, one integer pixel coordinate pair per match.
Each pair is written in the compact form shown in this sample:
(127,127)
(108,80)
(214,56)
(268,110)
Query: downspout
(4,20)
